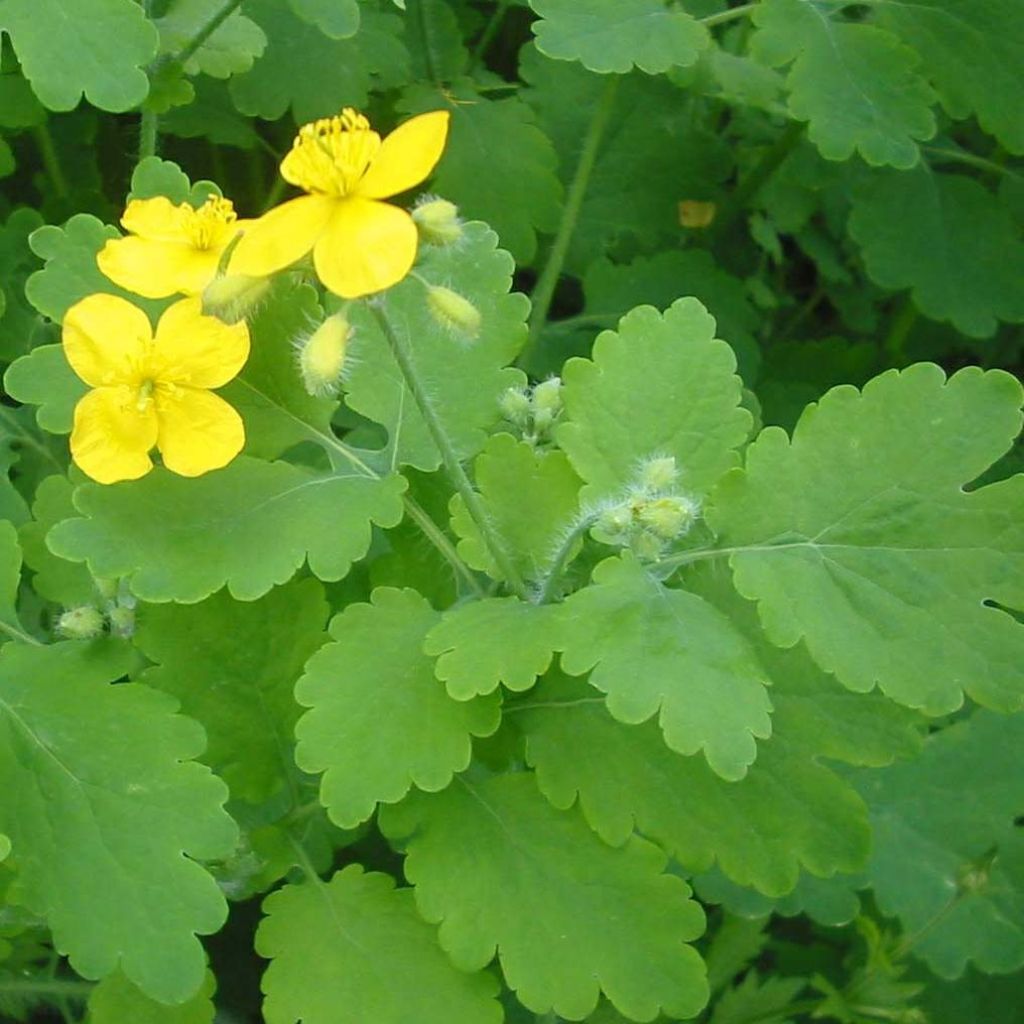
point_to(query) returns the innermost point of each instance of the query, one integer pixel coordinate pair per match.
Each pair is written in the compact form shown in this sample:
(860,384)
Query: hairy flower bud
(231,297)
(668,517)
(322,355)
(438,221)
(454,311)
(81,623)
(515,406)
(122,621)
(614,523)
(547,403)
(657,475)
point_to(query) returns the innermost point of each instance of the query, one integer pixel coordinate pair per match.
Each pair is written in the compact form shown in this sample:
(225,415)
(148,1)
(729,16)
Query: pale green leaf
(949,240)
(95,47)
(858,85)
(617,35)
(115,1000)
(946,856)
(233,666)
(251,526)
(338,19)
(499,868)
(380,722)
(499,640)
(44,378)
(668,652)
(531,499)
(230,49)
(354,949)
(519,194)
(662,385)
(103,799)
(857,536)
(10,575)
(463,379)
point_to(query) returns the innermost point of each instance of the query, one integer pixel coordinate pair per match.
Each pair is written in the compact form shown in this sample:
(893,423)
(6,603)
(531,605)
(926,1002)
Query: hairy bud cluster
(113,611)
(653,514)
(536,410)
(437,221)
(322,355)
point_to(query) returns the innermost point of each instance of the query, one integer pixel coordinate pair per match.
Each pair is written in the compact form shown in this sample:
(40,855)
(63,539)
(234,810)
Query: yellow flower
(152,391)
(360,245)
(169,249)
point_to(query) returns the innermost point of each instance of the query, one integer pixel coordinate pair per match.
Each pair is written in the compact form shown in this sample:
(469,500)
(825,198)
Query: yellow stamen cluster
(329,156)
(207,226)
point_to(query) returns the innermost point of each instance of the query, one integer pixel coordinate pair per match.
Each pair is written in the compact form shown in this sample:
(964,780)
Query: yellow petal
(106,340)
(282,236)
(112,436)
(195,350)
(368,247)
(156,269)
(199,431)
(406,156)
(157,218)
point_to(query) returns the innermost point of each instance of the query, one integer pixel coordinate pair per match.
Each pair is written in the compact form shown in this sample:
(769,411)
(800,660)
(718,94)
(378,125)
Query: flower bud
(231,297)
(515,406)
(659,474)
(438,221)
(81,623)
(669,517)
(322,355)
(547,403)
(122,621)
(648,547)
(454,311)
(614,523)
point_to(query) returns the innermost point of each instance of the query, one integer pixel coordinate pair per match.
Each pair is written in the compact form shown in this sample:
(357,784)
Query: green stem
(725,16)
(459,479)
(545,289)
(548,585)
(971,160)
(207,30)
(275,193)
(19,634)
(51,164)
(46,988)
(899,330)
(485,40)
(149,131)
(785,332)
(445,547)
(17,430)
(428,53)
(769,163)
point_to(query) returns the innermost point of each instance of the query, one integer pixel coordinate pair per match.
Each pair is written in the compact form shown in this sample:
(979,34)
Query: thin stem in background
(899,330)
(725,16)
(545,289)
(51,164)
(457,475)
(149,133)
(207,30)
(487,37)
(971,160)
(15,633)
(428,53)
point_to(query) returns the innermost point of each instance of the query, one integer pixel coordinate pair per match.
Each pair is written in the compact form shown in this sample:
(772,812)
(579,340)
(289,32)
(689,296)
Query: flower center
(330,156)
(206,226)
(144,394)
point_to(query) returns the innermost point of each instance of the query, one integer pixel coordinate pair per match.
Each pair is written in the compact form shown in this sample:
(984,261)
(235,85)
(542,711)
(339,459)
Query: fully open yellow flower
(360,245)
(169,249)
(152,391)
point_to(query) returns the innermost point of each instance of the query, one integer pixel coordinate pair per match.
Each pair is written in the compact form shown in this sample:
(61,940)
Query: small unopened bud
(231,297)
(438,221)
(82,623)
(322,355)
(515,406)
(659,474)
(122,621)
(453,310)
(614,523)
(547,403)
(668,518)
(647,546)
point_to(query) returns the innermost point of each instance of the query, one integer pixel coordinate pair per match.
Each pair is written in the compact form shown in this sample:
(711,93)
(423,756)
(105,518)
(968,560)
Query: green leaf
(499,640)
(654,650)
(56,579)
(463,380)
(618,35)
(10,575)
(338,19)
(230,49)
(335,72)
(251,526)
(233,666)
(857,85)
(115,1000)
(946,857)
(498,867)
(662,385)
(278,411)
(857,536)
(762,999)
(95,47)
(103,798)
(531,499)
(19,321)
(44,378)
(434,38)
(155,177)
(380,722)
(518,195)
(354,948)
(211,114)
(972,53)
(71,272)
(949,239)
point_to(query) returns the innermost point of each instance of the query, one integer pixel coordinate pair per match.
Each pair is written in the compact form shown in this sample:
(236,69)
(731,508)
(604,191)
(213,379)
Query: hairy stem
(545,289)
(460,481)
(445,547)
(553,576)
